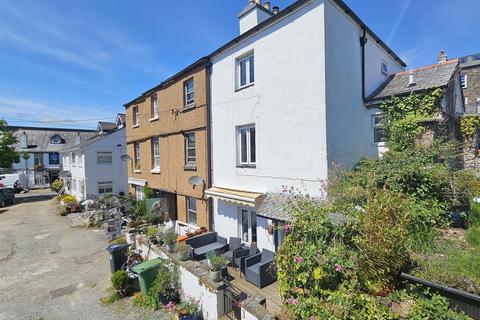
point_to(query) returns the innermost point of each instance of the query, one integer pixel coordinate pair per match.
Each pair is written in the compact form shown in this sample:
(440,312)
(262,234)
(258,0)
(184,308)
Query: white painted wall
(289,152)
(349,126)
(92,172)
(211,302)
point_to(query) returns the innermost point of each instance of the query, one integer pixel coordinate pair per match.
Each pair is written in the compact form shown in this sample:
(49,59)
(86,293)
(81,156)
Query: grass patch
(454,262)
(111,298)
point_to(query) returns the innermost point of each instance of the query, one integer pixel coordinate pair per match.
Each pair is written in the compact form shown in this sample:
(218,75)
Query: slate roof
(91,140)
(434,76)
(106,126)
(274,206)
(39,138)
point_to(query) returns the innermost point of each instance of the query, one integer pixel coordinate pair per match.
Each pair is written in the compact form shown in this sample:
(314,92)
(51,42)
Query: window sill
(245,87)
(247,166)
(190,167)
(154,119)
(188,108)
(137,171)
(135,126)
(155,171)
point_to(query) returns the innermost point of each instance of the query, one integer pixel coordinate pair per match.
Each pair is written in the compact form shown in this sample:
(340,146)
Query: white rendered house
(287,107)
(95,167)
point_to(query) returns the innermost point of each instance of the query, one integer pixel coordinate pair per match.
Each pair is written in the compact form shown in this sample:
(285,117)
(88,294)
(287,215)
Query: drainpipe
(363,42)
(209,143)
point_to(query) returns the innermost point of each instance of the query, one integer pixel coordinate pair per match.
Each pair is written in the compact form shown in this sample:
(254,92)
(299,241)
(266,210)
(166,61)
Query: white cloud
(399,20)
(37,112)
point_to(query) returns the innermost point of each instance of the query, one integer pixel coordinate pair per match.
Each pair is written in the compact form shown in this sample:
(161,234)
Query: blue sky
(82,60)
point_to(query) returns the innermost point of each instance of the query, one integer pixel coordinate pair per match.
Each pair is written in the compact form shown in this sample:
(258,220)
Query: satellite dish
(195,180)
(125,157)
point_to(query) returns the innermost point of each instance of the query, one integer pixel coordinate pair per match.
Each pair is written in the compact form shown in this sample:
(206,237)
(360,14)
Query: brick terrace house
(167,141)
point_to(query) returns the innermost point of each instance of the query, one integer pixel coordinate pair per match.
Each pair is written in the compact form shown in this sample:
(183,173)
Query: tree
(8,154)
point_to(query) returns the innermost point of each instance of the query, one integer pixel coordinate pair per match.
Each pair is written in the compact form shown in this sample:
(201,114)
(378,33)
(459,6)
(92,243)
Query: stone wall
(471,153)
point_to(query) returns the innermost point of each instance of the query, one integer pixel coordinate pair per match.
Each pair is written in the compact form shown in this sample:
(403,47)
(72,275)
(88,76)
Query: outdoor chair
(257,269)
(233,245)
(205,243)
(240,255)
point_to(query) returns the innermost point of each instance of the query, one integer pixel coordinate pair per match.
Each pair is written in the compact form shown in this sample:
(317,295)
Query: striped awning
(244,198)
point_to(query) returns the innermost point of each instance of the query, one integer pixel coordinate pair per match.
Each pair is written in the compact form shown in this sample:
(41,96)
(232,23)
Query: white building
(287,107)
(95,166)
(40,148)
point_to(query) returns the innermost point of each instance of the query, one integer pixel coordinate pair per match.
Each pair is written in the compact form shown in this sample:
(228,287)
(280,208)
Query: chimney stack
(267,5)
(411,79)
(276,10)
(442,57)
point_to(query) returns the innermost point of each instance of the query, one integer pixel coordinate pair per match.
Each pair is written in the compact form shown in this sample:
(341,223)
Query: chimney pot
(267,5)
(442,57)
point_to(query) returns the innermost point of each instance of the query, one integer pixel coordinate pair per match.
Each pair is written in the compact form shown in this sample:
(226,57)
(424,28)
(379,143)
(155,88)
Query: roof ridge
(439,64)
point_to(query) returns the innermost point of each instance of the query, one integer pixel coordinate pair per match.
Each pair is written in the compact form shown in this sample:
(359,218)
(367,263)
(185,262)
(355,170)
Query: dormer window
(57,139)
(384,68)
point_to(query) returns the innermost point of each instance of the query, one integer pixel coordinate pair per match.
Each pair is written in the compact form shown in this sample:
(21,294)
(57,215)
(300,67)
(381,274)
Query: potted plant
(217,264)
(187,310)
(120,282)
(183,251)
(170,238)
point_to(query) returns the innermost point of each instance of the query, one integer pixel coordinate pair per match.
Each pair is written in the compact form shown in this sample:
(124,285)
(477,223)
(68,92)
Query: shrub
(69,200)
(383,241)
(56,186)
(170,238)
(120,280)
(165,287)
(119,240)
(217,262)
(152,231)
(433,307)
(183,247)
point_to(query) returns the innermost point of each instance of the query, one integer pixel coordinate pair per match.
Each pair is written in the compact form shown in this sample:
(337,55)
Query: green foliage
(152,231)
(434,307)
(187,308)
(111,298)
(383,241)
(69,200)
(403,117)
(8,155)
(469,125)
(170,237)
(119,240)
(56,185)
(120,281)
(216,261)
(183,247)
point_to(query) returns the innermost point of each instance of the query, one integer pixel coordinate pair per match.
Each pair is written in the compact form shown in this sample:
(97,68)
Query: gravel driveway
(50,270)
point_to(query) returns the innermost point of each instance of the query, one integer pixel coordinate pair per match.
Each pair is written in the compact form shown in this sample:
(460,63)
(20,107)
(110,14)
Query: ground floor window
(191,210)
(379,136)
(105,187)
(139,193)
(247,225)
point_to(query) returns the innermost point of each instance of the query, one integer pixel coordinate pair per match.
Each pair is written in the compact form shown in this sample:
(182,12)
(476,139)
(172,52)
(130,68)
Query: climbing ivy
(403,116)
(469,125)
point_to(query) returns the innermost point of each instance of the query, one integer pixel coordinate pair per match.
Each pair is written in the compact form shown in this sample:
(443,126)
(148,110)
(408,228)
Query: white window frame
(39,157)
(155,154)
(104,186)
(189,102)
(248,151)
(135,115)
(154,107)
(80,160)
(248,70)
(139,195)
(136,156)
(190,160)
(477,105)
(101,154)
(251,234)
(464,83)
(376,126)
(465,101)
(191,210)
(384,68)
